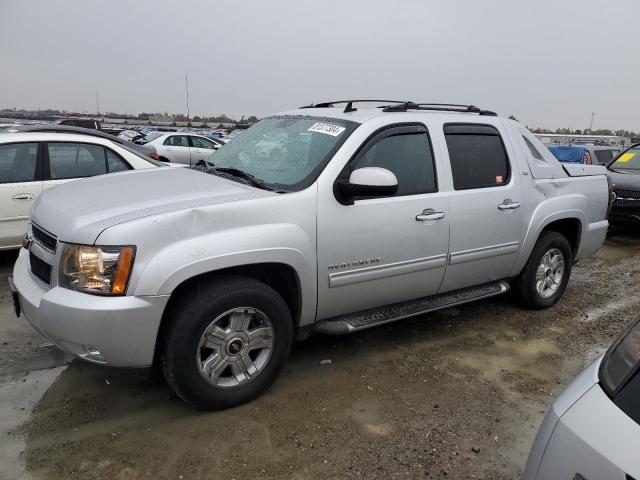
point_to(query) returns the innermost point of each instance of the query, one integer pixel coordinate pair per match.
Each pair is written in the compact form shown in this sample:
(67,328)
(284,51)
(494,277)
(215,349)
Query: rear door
(20,184)
(177,149)
(486,205)
(65,161)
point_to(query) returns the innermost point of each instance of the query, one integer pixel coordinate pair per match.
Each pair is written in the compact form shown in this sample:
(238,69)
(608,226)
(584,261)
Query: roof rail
(440,107)
(349,107)
(403,106)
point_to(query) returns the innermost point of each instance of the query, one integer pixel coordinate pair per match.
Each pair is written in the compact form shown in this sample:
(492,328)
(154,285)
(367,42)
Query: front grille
(627,198)
(43,238)
(40,268)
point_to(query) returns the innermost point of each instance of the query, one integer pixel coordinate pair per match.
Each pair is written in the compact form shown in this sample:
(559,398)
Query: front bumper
(625,215)
(585,433)
(115,331)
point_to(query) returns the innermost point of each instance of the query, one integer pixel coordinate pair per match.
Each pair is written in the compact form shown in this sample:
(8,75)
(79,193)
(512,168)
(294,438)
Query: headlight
(97,270)
(621,361)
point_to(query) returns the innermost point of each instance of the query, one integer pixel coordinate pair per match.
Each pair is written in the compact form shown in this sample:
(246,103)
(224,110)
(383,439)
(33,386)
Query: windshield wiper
(236,172)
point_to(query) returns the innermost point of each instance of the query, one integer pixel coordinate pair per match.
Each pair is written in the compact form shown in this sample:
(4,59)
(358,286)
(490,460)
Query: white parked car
(31,162)
(184,147)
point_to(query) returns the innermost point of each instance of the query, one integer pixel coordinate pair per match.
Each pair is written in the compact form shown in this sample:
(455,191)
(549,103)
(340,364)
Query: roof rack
(403,106)
(440,107)
(349,107)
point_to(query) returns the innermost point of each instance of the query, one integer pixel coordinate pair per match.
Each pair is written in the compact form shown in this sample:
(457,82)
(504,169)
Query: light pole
(186,85)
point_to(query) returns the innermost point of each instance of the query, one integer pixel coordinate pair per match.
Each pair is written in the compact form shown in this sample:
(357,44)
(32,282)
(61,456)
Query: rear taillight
(587,158)
(154,155)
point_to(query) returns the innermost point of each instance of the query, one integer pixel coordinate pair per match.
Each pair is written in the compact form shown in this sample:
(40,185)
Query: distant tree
(252,119)
(196,119)
(577,132)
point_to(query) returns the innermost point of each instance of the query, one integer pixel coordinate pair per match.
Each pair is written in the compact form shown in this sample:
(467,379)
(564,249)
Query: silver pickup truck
(353,217)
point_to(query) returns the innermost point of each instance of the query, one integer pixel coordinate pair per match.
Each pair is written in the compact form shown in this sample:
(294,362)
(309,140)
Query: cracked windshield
(285,151)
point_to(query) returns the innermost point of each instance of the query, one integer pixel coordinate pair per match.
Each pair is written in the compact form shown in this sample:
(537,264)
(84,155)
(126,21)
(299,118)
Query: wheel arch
(570,228)
(282,277)
(569,223)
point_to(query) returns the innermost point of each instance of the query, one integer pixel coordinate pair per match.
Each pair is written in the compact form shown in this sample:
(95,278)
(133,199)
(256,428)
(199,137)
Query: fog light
(93,355)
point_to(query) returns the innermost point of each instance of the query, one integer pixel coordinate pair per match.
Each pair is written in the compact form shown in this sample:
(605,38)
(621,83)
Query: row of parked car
(623,165)
(586,154)
(326,220)
(37,157)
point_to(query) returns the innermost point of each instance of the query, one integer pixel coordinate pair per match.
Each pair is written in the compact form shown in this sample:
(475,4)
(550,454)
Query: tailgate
(582,170)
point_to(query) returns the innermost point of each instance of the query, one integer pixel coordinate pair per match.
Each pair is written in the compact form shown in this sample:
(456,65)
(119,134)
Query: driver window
(408,156)
(198,142)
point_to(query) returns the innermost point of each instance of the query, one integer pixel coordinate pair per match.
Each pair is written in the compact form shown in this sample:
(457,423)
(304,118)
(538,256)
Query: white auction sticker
(326,128)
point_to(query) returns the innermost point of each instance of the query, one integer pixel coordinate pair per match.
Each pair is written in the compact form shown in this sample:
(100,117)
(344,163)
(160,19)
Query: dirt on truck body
(459,393)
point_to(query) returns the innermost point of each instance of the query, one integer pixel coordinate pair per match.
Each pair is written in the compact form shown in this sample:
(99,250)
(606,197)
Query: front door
(380,251)
(201,149)
(20,184)
(486,206)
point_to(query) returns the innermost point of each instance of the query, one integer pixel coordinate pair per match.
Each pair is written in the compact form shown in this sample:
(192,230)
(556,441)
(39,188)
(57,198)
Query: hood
(625,181)
(79,211)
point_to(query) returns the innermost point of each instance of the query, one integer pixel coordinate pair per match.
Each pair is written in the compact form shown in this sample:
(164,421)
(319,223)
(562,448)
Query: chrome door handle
(23,196)
(508,205)
(429,214)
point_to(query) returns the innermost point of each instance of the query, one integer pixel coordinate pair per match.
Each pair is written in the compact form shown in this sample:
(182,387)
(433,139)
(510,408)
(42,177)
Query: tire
(218,385)
(527,286)
(163,159)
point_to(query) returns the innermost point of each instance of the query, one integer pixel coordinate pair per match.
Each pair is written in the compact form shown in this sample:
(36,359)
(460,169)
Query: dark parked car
(80,122)
(624,171)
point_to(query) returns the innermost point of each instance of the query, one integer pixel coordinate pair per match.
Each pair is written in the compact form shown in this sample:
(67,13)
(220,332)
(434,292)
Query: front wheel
(546,274)
(226,342)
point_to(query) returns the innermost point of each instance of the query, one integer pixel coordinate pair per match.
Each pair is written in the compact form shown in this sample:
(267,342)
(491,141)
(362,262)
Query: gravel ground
(457,394)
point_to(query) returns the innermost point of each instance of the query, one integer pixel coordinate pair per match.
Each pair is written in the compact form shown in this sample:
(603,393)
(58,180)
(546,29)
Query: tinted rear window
(478,157)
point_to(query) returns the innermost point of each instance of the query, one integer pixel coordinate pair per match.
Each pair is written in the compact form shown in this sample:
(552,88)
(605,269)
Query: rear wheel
(226,342)
(546,274)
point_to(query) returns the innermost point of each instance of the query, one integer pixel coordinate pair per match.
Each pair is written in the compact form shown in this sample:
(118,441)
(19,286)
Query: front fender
(548,211)
(280,243)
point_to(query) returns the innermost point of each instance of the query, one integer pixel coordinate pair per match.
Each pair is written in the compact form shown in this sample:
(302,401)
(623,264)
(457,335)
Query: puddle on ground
(512,356)
(366,413)
(18,400)
(619,247)
(600,312)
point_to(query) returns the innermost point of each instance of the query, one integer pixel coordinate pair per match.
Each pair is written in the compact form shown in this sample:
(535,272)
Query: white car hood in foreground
(79,211)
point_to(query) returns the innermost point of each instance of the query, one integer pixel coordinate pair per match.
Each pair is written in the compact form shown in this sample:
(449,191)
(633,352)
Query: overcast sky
(548,62)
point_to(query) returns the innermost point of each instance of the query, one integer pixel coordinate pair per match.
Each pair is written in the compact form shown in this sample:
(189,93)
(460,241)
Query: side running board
(353,322)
